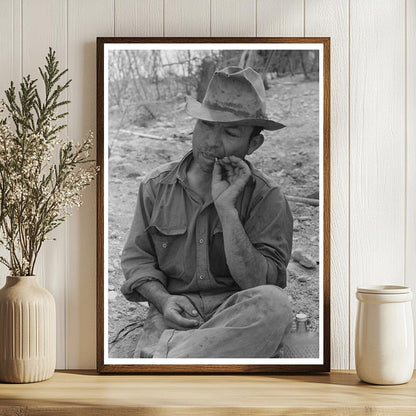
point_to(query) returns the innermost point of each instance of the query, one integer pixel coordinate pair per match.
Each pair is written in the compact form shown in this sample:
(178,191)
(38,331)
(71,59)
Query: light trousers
(248,324)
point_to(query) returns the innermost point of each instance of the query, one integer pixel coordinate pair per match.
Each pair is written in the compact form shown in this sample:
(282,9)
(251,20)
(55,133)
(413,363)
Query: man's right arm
(138,259)
(155,293)
(178,311)
(144,279)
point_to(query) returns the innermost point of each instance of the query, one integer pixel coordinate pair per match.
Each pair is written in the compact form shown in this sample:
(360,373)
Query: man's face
(216,140)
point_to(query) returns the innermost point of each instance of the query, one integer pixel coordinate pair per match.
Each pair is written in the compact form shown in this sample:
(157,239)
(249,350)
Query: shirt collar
(179,172)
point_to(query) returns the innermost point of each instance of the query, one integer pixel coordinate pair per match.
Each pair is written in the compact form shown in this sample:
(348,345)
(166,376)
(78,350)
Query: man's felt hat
(234,95)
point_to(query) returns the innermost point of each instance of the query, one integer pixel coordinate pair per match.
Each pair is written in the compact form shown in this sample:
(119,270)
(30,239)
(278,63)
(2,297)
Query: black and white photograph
(212,191)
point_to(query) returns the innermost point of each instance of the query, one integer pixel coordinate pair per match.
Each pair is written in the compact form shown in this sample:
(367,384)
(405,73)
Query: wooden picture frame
(311,101)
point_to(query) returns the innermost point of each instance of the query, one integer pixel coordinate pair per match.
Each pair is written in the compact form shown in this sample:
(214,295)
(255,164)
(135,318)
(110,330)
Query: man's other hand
(180,313)
(229,177)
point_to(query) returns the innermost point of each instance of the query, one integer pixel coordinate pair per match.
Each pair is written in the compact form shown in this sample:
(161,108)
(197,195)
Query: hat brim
(197,110)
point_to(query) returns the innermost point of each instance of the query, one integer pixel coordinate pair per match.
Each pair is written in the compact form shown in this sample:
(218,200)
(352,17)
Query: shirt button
(201,241)
(201,277)
(164,245)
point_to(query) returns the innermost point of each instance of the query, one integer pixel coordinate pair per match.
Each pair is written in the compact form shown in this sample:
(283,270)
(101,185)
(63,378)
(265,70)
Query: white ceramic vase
(27,331)
(384,338)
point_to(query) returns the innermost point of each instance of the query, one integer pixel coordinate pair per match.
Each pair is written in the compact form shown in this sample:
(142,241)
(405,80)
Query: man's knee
(273,303)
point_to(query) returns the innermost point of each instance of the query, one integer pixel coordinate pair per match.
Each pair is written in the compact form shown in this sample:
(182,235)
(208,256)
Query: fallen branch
(145,135)
(309,201)
(179,108)
(127,329)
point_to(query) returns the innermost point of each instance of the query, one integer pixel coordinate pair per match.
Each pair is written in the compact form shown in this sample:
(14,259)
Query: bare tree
(207,69)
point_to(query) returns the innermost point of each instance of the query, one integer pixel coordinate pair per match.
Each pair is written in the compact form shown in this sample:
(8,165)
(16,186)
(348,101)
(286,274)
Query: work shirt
(176,238)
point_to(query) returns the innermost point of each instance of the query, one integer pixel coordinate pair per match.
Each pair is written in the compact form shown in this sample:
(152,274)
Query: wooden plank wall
(377,145)
(410,140)
(373,132)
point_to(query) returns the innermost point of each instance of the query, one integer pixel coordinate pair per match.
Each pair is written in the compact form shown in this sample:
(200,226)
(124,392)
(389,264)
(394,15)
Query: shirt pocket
(169,243)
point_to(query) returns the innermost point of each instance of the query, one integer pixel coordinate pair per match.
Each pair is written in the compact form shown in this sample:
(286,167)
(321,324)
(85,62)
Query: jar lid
(300,317)
(384,289)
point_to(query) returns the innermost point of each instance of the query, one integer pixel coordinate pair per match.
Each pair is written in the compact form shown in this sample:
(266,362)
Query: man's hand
(229,177)
(180,313)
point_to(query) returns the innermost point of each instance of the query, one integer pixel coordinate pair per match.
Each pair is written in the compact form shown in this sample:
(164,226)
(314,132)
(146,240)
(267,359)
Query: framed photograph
(213,205)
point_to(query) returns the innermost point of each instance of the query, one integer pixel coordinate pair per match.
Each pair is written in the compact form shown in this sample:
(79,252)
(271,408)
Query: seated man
(211,237)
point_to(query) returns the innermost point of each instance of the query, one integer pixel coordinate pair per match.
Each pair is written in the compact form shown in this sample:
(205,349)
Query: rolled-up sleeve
(270,230)
(138,259)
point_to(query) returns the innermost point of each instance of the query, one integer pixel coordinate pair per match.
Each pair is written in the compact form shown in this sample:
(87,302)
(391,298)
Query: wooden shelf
(86,393)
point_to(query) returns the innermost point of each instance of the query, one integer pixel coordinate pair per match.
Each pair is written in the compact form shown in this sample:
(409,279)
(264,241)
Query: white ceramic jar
(384,337)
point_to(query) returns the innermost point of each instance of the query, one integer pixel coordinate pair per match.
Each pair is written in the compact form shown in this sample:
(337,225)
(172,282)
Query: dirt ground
(290,157)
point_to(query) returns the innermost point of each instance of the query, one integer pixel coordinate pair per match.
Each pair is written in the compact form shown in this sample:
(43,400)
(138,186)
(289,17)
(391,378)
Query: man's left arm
(261,257)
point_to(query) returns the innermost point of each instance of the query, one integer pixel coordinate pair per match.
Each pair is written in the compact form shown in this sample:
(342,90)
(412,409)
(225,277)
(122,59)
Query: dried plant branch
(37,193)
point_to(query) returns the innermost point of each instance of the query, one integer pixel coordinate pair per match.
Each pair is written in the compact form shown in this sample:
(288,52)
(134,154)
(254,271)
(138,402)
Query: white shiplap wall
(373,132)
